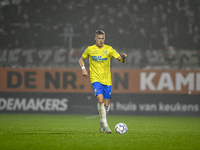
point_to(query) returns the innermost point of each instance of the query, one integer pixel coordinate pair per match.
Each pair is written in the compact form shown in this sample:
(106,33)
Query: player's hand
(123,55)
(85,73)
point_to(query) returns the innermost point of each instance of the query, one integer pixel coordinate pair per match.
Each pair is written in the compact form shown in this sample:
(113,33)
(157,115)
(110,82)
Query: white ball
(121,128)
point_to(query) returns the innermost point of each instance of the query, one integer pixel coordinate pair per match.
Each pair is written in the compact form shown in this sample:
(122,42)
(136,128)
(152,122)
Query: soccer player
(100,56)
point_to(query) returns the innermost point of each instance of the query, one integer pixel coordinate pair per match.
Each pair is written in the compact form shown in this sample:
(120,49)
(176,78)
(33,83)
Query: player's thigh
(100,98)
(97,88)
(98,91)
(107,91)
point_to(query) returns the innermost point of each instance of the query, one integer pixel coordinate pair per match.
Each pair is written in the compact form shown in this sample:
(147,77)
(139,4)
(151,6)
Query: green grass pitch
(81,132)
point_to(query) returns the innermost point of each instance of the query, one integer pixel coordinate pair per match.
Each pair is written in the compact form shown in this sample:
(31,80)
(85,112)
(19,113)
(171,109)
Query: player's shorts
(102,89)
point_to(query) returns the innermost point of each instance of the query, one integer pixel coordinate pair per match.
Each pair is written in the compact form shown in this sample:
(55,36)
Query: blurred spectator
(156,36)
(41,23)
(2,31)
(142,40)
(195,43)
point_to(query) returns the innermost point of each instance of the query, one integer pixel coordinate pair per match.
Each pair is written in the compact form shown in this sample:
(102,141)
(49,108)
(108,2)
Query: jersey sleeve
(85,54)
(114,53)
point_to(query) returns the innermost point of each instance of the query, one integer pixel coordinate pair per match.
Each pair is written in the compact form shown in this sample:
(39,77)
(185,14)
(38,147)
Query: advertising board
(134,92)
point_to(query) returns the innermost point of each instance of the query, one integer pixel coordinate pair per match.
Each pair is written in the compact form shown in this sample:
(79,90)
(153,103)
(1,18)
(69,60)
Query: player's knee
(106,104)
(101,102)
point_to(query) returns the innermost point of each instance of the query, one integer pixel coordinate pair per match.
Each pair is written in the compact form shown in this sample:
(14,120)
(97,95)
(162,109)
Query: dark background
(143,24)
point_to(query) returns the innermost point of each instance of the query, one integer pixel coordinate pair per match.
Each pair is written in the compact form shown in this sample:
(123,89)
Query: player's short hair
(99,32)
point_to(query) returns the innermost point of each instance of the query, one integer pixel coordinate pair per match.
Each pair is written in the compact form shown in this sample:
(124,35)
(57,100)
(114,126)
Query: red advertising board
(124,81)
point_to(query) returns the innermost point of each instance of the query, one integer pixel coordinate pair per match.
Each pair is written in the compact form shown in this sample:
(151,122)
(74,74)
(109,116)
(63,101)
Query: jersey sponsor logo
(94,52)
(98,58)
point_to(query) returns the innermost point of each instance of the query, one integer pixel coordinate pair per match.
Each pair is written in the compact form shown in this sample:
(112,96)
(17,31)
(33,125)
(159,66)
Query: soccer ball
(121,128)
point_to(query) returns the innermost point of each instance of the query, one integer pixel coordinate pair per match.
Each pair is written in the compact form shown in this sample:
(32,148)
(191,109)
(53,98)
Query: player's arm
(82,65)
(122,58)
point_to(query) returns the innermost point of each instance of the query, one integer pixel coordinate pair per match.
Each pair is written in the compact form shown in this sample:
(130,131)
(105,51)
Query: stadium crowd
(140,24)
